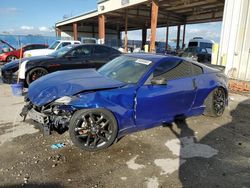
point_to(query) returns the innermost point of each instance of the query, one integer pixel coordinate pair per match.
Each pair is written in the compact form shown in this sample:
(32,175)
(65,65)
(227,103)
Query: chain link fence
(18,40)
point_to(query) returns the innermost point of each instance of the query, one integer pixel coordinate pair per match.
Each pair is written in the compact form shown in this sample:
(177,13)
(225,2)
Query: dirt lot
(203,152)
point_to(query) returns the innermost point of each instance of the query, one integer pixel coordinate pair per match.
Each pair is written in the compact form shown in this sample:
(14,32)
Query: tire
(215,103)
(11,58)
(34,74)
(93,129)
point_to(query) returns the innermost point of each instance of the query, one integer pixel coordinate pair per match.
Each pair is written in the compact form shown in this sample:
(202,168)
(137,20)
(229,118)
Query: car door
(162,103)
(77,58)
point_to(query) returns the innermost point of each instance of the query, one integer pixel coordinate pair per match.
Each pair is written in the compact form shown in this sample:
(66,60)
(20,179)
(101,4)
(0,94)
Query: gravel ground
(201,152)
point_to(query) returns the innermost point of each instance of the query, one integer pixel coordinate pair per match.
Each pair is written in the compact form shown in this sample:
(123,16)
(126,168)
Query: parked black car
(69,57)
(202,55)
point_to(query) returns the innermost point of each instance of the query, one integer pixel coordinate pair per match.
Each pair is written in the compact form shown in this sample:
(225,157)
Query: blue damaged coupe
(130,93)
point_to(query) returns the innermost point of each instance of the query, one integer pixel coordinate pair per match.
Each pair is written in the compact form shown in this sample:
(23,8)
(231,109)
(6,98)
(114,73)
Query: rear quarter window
(179,69)
(197,70)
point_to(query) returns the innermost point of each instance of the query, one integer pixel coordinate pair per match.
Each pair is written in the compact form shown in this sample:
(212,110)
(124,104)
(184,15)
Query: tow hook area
(25,111)
(45,126)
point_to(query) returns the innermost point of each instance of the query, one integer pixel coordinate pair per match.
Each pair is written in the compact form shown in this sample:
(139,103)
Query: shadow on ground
(49,185)
(231,166)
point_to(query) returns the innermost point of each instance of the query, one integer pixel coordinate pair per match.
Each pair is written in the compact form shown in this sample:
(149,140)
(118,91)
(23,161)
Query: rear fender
(206,83)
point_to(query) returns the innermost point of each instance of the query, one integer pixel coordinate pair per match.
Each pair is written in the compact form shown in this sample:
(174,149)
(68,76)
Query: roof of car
(152,57)
(68,40)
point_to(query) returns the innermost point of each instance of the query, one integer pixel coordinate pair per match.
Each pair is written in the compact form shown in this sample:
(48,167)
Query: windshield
(61,52)
(54,45)
(125,69)
(88,41)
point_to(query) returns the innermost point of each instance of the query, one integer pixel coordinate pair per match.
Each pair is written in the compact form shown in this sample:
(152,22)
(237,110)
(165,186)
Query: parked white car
(53,47)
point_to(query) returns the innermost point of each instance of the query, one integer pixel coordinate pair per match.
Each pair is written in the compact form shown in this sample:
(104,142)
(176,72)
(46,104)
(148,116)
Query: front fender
(119,101)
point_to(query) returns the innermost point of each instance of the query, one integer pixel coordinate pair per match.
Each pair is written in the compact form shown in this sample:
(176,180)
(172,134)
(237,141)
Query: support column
(144,37)
(167,32)
(58,32)
(154,17)
(93,31)
(101,28)
(126,32)
(75,34)
(118,38)
(178,37)
(183,36)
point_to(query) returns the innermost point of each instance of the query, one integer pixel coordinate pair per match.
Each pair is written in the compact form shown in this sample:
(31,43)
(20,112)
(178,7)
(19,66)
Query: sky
(39,17)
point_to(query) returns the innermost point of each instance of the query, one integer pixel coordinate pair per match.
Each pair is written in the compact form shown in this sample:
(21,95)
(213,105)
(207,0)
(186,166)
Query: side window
(37,47)
(26,48)
(206,45)
(179,69)
(197,70)
(101,50)
(63,44)
(81,51)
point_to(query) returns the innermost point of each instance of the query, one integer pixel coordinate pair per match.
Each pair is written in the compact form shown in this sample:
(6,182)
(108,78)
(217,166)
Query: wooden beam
(167,31)
(154,18)
(126,32)
(178,37)
(93,31)
(144,37)
(75,35)
(194,4)
(101,28)
(183,36)
(58,32)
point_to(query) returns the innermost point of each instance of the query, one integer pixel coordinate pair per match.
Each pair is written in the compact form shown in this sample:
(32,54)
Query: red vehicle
(13,53)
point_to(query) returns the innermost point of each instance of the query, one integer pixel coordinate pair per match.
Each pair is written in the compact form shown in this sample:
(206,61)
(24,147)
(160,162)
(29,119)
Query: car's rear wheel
(35,73)
(215,103)
(93,129)
(11,58)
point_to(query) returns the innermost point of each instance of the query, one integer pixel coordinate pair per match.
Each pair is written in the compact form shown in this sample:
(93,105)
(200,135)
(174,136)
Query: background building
(115,16)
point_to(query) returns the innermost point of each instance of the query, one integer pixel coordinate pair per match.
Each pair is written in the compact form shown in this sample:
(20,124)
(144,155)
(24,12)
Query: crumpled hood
(67,83)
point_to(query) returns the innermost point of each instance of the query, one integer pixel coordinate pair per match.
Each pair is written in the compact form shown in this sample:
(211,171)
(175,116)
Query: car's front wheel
(34,74)
(215,103)
(93,129)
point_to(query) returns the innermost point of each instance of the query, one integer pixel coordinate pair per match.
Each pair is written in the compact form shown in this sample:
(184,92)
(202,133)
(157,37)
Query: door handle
(194,83)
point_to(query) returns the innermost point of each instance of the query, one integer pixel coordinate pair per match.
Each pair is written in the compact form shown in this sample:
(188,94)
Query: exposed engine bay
(52,117)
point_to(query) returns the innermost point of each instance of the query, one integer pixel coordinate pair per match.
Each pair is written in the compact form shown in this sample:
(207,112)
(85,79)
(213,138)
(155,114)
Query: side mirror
(159,81)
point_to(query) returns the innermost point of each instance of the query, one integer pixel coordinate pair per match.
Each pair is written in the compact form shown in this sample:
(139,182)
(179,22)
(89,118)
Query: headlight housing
(64,100)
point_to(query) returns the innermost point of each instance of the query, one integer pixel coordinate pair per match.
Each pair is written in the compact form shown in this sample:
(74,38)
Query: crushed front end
(54,116)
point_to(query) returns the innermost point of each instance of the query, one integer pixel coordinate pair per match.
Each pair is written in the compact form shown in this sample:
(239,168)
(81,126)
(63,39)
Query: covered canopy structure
(114,16)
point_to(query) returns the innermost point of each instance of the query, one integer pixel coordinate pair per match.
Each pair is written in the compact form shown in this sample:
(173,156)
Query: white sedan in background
(53,47)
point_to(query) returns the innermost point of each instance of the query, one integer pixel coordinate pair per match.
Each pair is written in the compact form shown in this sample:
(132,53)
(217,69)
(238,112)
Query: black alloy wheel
(35,73)
(215,103)
(93,129)
(219,101)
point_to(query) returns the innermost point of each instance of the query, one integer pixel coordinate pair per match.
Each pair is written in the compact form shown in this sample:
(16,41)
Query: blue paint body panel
(135,106)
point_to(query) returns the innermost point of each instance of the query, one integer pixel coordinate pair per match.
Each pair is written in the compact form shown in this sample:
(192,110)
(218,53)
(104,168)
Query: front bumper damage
(52,117)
